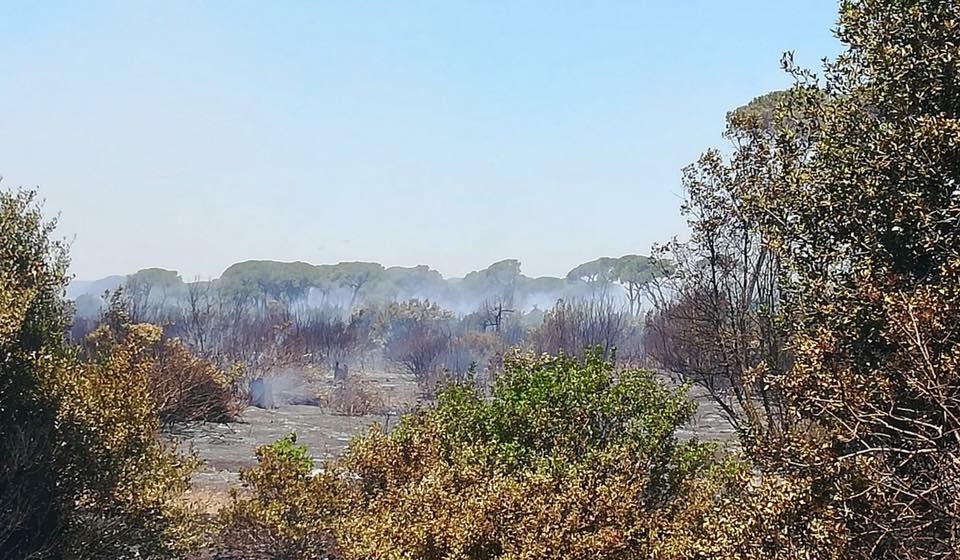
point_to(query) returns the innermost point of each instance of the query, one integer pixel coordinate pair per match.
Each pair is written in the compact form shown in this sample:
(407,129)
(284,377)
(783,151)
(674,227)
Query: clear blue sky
(190,135)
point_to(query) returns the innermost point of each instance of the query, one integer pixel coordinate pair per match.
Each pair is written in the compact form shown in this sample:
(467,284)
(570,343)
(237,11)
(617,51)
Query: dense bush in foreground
(568,459)
(82,472)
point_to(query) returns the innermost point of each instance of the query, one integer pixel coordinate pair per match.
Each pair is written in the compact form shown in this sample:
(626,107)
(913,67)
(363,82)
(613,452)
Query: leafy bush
(567,459)
(83,474)
(287,450)
(182,387)
(288,515)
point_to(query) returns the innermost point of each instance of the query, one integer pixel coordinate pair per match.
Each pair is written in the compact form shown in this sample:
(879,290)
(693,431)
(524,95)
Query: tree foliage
(83,474)
(866,215)
(845,188)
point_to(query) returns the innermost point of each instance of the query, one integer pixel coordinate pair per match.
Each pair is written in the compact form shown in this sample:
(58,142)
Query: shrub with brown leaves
(182,386)
(355,397)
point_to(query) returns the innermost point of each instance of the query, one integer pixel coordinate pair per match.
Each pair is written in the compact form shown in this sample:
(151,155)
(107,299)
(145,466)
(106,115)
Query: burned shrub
(355,397)
(182,387)
(573,327)
(415,334)
(480,351)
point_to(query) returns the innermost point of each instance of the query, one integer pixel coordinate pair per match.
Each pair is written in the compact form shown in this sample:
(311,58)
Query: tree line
(348,286)
(266,315)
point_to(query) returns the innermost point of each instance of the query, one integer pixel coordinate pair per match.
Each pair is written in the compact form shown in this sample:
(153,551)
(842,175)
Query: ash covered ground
(300,404)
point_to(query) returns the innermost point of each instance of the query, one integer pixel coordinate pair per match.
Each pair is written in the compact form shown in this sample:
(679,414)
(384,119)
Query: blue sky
(191,135)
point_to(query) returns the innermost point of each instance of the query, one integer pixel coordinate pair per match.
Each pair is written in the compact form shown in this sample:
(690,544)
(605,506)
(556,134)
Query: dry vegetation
(183,387)
(816,302)
(355,397)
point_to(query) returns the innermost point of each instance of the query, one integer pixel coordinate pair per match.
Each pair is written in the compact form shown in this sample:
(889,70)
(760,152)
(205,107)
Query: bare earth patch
(226,449)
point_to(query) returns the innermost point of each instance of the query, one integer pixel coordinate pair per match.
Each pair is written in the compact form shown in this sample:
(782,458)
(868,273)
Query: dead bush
(573,327)
(415,334)
(472,349)
(355,397)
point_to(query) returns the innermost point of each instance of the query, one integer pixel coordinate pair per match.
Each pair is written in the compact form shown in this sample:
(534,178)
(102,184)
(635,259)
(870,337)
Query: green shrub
(83,474)
(567,459)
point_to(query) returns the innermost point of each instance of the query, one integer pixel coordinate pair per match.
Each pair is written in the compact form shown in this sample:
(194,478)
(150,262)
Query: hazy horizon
(478,267)
(193,136)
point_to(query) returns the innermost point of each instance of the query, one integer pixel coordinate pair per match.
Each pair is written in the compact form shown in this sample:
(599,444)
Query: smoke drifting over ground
(346,287)
(274,319)
(279,388)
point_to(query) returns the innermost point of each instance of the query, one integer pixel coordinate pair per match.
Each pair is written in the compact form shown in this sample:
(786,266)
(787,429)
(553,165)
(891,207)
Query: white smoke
(280,388)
